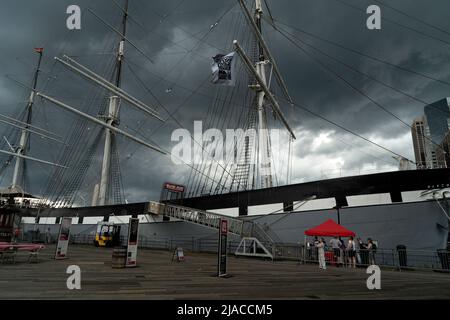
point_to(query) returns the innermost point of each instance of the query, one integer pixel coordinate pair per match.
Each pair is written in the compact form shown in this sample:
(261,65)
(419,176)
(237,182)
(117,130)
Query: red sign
(63,238)
(173,187)
(224,226)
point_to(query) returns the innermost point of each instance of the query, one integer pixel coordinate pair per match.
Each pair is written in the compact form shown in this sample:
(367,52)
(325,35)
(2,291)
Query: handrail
(206,218)
(390,258)
(211,219)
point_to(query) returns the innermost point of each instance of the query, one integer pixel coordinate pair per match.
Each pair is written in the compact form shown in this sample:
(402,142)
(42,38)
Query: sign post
(6,227)
(132,247)
(63,238)
(223,237)
(171,191)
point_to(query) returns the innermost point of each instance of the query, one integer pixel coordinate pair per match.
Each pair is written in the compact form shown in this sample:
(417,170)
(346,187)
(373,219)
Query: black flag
(223,69)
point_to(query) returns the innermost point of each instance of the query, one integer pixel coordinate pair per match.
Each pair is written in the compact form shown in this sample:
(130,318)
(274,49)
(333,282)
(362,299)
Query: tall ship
(236,147)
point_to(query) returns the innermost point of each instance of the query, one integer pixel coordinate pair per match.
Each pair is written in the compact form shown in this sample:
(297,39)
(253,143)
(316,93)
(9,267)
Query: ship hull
(417,225)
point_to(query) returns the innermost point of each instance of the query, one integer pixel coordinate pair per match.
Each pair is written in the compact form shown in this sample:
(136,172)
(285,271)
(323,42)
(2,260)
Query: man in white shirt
(321,252)
(335,243)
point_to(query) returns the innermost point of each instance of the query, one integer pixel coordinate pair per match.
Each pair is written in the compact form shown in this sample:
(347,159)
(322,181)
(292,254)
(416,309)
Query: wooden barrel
(119,257)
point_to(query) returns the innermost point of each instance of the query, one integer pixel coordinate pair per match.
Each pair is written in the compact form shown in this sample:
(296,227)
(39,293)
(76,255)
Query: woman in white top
(351,252)
(321,252)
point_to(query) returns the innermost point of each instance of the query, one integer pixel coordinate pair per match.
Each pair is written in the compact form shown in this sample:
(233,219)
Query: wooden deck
(157,277)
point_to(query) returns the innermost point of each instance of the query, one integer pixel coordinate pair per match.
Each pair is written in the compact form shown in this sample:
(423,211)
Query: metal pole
(112,118)
(265,169)
(36,129)
(102,123)
(264,152)
(264,49)
(24,135)
(338,214)
(30,131)
(90,75)
(268,94)
(30,158)
(106,164)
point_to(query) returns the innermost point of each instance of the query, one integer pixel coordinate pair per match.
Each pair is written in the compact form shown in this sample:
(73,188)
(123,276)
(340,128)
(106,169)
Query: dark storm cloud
(168,35)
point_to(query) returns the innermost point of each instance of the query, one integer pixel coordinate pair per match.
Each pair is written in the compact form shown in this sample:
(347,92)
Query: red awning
(329,229)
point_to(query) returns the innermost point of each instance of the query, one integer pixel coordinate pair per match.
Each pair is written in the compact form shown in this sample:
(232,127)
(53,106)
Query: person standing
(321,252)
(48,236)
(343,253)
(336,245)
(315,254)
(364,253)
(351,250)
(372,249)
(360,249)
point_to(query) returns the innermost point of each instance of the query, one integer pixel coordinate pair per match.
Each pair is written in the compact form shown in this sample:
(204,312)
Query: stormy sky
(176,35)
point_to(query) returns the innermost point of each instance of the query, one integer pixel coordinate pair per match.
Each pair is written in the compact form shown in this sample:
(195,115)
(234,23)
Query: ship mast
(25,131)
(264,97)
(111,118)
(265,169)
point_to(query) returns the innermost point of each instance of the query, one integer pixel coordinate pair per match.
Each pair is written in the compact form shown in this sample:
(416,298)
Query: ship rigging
(259,100)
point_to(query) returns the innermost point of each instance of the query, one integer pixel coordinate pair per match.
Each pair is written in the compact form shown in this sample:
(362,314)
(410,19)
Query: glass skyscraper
(436,125)
(437,117)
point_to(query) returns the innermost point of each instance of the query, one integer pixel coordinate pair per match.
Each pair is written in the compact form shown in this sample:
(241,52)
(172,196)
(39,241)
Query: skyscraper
(418,132)
(443,153)
(428,133)
(437,117)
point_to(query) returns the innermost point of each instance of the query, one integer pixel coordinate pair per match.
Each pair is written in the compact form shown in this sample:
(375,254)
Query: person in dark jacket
(372,250)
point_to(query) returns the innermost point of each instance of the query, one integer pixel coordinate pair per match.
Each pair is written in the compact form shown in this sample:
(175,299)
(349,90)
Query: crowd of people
(349,254)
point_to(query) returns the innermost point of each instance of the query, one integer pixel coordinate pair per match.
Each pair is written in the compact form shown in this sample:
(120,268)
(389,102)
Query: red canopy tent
(329,229)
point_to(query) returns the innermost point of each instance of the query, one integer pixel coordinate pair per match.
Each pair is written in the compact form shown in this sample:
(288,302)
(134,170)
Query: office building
(428,132)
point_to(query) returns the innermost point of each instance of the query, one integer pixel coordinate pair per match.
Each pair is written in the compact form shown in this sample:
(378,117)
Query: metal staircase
(240,227)
(205,218)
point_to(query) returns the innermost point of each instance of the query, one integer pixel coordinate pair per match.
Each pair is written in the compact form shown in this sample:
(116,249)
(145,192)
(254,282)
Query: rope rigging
(229,108)
(197,182)
(428,24)
(396,23)
(347,82)
(336,44)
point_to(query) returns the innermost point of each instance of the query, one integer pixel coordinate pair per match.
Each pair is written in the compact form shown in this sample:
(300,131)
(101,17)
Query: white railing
(210,219)
(206,218)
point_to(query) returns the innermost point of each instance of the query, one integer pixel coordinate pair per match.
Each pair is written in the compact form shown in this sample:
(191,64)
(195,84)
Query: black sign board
(223,237)
(133,229)
(6,227)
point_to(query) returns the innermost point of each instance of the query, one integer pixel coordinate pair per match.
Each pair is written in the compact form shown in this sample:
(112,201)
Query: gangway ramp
(205,218)
(244,228)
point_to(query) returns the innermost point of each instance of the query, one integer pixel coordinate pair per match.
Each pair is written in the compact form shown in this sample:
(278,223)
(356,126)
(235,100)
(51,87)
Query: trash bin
(402,257)
(119,257)
(444,258)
